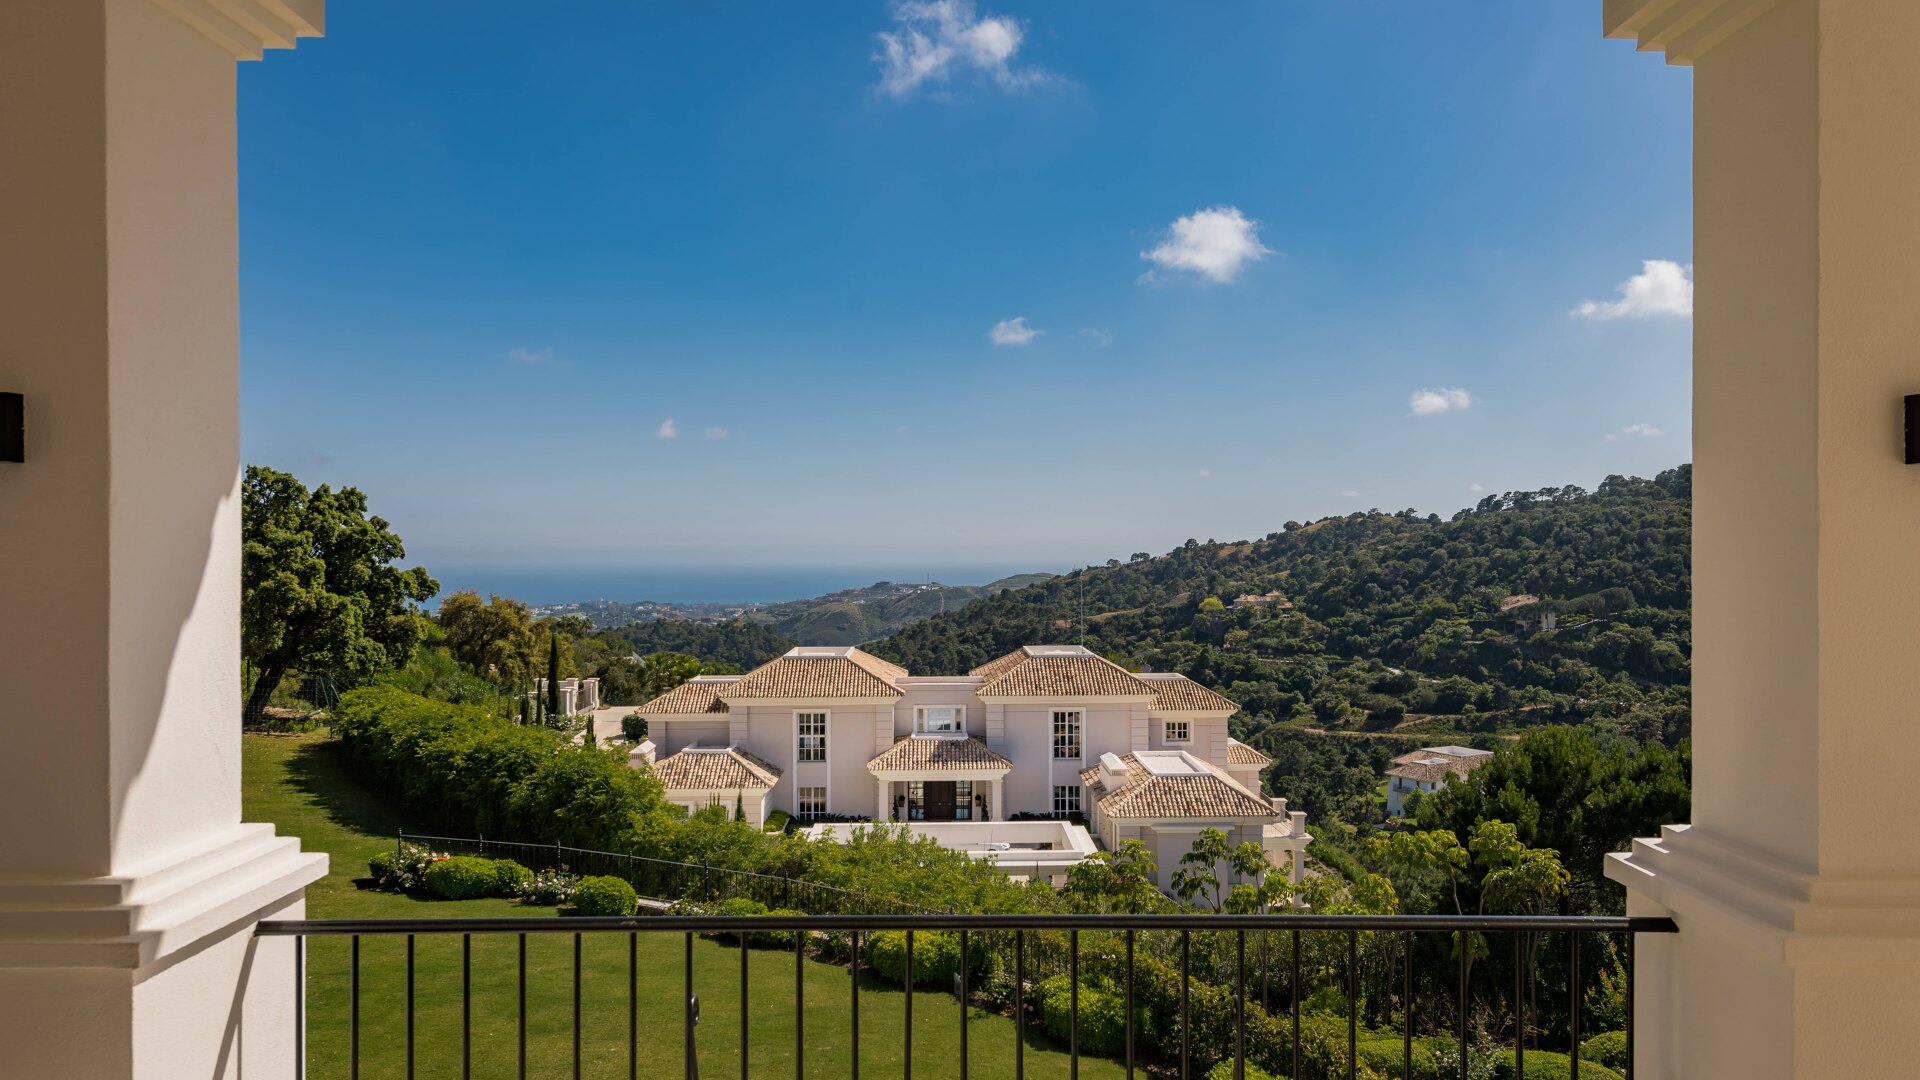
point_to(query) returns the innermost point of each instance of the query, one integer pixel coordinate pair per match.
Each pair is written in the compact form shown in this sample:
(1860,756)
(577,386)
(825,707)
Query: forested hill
(1398,622)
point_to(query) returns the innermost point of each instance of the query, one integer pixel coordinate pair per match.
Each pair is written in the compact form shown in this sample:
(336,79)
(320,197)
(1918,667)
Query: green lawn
(298,783)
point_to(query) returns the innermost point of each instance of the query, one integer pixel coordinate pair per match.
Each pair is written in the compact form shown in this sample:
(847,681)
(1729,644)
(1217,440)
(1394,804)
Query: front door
(939,800)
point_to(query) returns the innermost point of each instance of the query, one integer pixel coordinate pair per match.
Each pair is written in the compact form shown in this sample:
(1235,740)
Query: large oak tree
(319,588)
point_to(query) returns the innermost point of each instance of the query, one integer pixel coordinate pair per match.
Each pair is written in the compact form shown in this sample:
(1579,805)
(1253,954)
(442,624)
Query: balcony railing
(1024,948)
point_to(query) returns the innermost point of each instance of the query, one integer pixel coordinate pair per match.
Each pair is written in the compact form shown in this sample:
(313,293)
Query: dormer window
(1179,731)
(943,720)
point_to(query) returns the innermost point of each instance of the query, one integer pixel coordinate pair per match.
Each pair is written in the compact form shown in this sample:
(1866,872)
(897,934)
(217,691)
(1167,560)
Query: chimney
(1279,805)
(1113,771)
(641,753)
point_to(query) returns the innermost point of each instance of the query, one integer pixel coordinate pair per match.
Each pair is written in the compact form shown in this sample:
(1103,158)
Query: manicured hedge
(761,939)
(604,896)
(936,957)
(1543,1065)
(511,877)
(463,877)
(1103,1016)
(484,775)
(1224,1071)
(1609,1048)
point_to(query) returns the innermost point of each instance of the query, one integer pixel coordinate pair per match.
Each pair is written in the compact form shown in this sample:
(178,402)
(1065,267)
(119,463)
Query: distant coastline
(695,585)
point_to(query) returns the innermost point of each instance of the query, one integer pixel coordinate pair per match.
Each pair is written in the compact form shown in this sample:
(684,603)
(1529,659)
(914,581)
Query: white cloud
(934,40)
(524,355)
(1351,494)
(1215,243)
(1206,473)
(667,430)
(716,433)
(1099,337)
(1646,430)
(1661,287)
(1475,487)
(1014,331)
(1435,400)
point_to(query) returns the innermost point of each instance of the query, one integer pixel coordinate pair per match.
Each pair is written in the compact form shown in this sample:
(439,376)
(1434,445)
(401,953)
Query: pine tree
(553,677)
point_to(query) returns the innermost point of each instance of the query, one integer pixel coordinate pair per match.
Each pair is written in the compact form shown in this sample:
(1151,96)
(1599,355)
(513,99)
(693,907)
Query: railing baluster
(1461,937)
(799,1003)
(1353,1002)
(632,1006)
(692,1013)
(1240,1005)
(1293,991)
(741,940)
(1019,1005)
(353,1020)
(1129,1003)
(299,1008)
(1520,1009)
(1406,1005)
(1186,1041)
(854,971)
(466,1007)
(907,1071)
(576,1006)
(409,1007)
(1573,988)
(1073,1007)
(523,1006)
(963,1004)
(1632,982)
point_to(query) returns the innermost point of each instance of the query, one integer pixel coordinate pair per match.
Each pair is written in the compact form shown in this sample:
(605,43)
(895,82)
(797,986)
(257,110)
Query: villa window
(948,720)
(1066,733)
(916,800)
(1066,799)
(963,800)
(1179,731)
(812,728)
(813,802)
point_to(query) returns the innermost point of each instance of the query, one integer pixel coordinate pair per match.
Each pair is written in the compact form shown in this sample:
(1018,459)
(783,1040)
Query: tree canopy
(319,588)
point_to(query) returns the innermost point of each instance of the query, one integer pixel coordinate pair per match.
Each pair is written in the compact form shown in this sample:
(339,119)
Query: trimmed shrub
(779,939)
(633,727)
(1224,1071)
(734,908)
(605,896)
(404,870)
(1545,1065)
(462,877)
(510,877)
(1385,1054)
(936,957)
(381,865)
(1609,1048)
(777,821)
(1103,1015)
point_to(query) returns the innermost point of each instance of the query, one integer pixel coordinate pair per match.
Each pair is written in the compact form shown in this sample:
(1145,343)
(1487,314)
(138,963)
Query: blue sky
(952,285)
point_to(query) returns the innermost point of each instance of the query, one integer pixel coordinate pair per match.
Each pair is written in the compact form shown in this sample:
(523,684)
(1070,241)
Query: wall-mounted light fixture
(13,427)
(1913,429)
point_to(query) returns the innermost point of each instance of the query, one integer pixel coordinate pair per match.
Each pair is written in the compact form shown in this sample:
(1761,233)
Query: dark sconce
(13,427)
(1913,429)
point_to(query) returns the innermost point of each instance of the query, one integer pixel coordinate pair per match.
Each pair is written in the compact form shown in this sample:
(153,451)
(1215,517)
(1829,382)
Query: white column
(1797,886)
(128,885)
(885,804)
(997,809)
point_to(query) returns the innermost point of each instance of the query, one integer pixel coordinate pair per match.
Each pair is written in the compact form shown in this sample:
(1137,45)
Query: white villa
(1424,770)
(1045,732)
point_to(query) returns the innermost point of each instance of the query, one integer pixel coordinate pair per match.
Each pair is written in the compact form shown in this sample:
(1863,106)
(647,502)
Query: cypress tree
(553,677)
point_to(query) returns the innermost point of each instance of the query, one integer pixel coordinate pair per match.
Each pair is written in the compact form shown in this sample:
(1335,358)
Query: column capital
(1685,30)
(247,28)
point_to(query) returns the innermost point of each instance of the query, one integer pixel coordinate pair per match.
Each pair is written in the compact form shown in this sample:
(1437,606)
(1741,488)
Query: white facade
(851,737)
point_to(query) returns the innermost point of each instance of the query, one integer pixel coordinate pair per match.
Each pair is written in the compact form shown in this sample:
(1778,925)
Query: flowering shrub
(405,870)
(548,887)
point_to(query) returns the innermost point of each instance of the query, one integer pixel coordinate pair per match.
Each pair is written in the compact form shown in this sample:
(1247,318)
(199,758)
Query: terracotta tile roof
(1518,600)
(820,673)
(702,695)
(1176,692)
(1239,753)
(1204,792)
(1057,671)
(914,754)
(1436,769)
(706,768)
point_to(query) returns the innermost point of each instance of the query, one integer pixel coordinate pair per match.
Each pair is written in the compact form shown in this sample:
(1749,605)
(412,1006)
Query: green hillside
(1396,633)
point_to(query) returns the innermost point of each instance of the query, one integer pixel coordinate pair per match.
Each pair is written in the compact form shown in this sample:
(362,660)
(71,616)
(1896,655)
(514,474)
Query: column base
(1774,972)
(156,975)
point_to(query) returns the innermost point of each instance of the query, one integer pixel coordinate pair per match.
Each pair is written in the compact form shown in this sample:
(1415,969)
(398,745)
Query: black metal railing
(1126,954)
